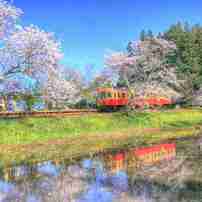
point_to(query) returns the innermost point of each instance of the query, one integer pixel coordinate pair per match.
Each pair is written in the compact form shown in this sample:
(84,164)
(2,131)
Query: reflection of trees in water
(64,187)
(17,172)
(100,180)
(166,182)
(73,183)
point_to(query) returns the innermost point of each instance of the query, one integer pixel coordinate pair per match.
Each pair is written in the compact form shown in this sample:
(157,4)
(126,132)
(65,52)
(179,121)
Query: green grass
(22,131)
(45,138)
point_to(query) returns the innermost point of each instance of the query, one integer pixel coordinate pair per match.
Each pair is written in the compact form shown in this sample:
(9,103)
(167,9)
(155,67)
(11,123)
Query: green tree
(142,35)
(189,44)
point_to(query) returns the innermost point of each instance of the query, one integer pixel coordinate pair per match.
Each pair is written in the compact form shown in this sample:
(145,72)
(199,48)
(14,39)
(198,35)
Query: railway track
(47,113)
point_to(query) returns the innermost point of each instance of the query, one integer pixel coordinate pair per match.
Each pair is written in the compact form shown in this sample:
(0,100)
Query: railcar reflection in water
(134,158)
(105,178)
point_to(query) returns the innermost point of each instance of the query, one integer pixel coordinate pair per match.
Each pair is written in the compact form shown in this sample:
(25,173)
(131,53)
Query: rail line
(47,113)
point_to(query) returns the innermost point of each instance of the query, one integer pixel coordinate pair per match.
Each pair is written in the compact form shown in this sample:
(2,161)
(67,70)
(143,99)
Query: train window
(102,95)
(123,95)
(98,95)
(109,95)
(105,95)
(119,95)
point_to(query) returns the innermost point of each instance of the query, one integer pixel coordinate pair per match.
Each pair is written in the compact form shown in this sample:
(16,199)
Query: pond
(173,173)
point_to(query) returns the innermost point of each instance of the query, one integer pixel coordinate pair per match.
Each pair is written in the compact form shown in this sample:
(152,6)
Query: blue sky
(88,28)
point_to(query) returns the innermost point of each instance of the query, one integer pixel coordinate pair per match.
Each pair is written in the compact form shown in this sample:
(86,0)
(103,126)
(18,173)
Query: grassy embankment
(35,139)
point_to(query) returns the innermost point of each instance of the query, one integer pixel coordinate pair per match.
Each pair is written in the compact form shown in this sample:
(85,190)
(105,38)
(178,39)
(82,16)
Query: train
(110,97)
(113,98)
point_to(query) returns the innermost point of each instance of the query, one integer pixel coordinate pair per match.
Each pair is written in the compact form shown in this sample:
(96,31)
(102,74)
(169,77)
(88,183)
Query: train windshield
(104,95)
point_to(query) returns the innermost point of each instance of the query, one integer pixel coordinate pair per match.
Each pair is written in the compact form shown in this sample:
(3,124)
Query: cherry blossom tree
(147,56)
(58,92)
(73,75)
(32,52)
(29,53)
(145,68)
(8,18)
(8,24)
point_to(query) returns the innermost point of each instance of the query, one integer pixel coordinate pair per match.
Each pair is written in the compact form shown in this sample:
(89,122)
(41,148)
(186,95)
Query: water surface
(108,177)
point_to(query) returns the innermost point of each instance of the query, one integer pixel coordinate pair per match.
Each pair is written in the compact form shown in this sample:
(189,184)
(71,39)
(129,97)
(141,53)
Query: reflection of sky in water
(120,181)
(99,191)
(86,163)
(96,193)
(6,187)
(32,198)
(48,169)
(8,192)
(105,188)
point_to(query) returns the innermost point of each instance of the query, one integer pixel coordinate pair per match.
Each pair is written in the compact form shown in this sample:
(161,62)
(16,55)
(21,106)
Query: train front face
(109,97)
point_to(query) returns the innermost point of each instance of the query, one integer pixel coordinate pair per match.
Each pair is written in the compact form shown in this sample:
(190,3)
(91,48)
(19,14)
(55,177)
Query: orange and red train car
(112,97)
(151,102)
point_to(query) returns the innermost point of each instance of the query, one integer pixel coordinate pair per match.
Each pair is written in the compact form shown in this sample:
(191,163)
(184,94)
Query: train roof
(108,89)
